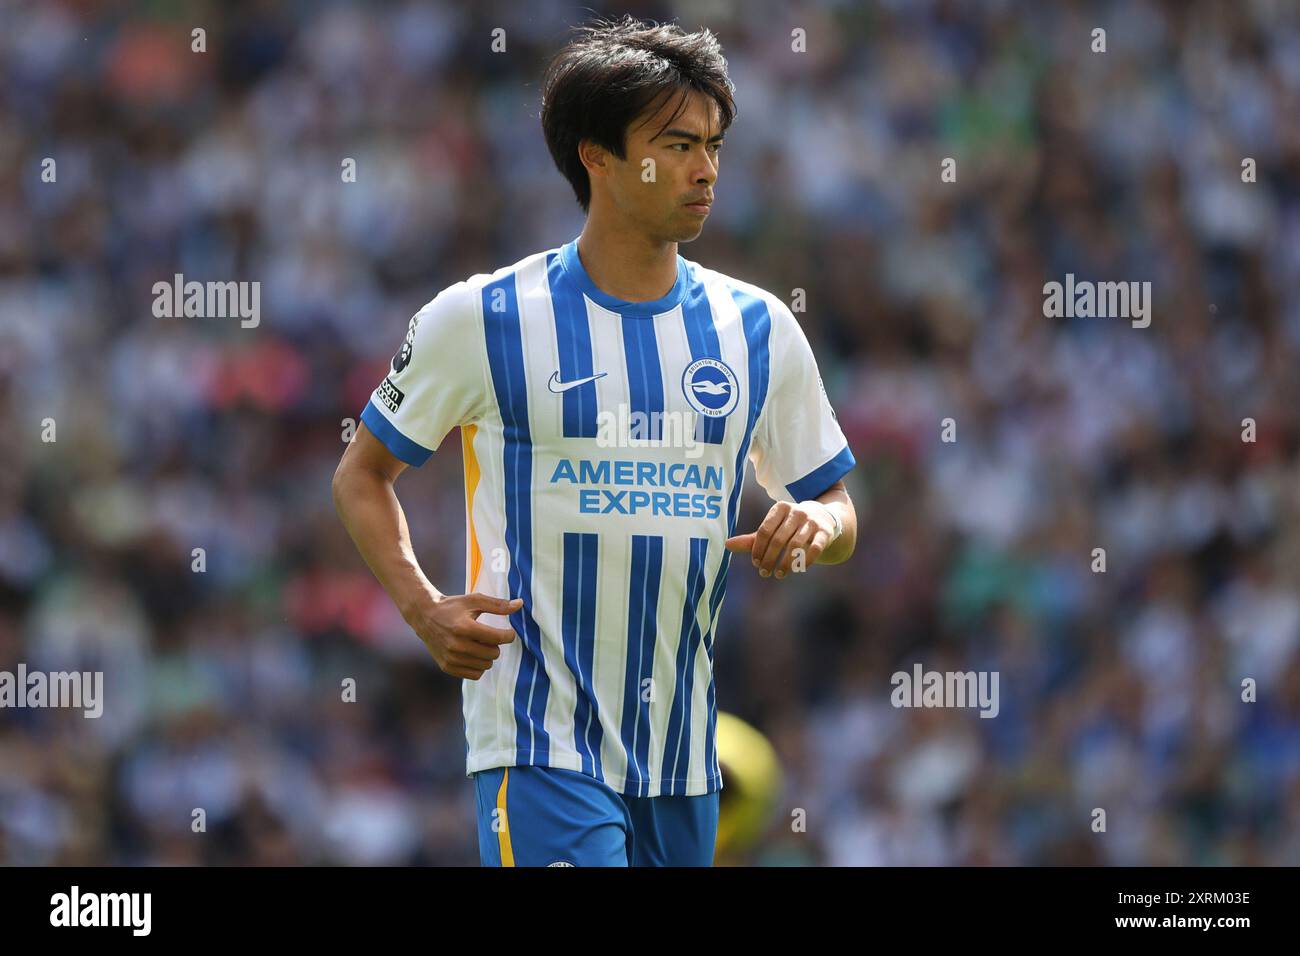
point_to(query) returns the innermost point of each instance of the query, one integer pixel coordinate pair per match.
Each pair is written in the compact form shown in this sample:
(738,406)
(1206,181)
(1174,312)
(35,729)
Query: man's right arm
(369,509)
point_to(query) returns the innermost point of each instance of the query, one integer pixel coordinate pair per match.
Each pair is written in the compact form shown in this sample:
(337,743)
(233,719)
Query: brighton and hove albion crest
(711,388)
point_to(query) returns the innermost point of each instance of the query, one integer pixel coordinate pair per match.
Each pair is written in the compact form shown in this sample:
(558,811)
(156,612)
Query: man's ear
(593,156)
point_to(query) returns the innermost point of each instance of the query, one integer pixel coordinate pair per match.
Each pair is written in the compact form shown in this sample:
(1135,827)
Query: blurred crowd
(266,681)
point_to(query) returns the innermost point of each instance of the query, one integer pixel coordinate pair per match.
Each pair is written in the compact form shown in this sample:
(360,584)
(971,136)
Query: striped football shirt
(604,448)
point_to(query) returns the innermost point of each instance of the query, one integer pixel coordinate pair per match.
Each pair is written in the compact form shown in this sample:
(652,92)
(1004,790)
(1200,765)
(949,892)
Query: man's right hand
(448,624)
(449,627)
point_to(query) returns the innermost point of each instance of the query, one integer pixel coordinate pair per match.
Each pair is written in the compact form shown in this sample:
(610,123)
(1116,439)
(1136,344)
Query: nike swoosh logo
(555,385)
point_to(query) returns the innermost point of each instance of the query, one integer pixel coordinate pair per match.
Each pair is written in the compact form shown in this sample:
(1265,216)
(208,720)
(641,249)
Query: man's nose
(706,174)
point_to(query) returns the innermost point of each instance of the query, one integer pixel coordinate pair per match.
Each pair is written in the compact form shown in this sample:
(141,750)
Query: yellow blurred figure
(752,783)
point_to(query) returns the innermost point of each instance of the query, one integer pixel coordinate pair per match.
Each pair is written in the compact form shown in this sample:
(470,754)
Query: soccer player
(608,393)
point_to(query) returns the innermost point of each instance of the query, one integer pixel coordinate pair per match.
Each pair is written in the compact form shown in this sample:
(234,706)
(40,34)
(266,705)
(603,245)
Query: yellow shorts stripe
(503,835)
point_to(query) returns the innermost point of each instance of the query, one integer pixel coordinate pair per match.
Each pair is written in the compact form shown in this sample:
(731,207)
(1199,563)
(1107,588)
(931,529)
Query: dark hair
(610,72)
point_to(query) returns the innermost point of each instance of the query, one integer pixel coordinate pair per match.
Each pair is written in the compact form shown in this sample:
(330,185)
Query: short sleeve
(798,448)
(435,380)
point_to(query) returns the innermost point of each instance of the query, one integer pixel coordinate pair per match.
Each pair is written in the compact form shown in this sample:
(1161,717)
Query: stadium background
(924,301)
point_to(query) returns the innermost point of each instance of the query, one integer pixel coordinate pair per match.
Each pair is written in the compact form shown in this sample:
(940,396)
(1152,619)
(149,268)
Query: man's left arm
(800,458)
(795,534)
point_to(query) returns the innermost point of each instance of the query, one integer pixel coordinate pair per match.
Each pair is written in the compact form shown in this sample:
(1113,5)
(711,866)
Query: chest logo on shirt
(555,385)
(710,386)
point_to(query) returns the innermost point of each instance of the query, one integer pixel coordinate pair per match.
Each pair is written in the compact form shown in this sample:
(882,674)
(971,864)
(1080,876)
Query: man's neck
(627,265)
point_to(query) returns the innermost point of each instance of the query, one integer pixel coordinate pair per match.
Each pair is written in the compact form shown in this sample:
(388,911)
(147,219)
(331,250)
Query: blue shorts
(550,817)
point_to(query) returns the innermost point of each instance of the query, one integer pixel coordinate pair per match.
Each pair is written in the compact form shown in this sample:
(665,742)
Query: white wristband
(839,525)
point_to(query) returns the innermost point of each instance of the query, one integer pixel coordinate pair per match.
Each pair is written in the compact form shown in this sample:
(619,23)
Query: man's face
(666,171)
